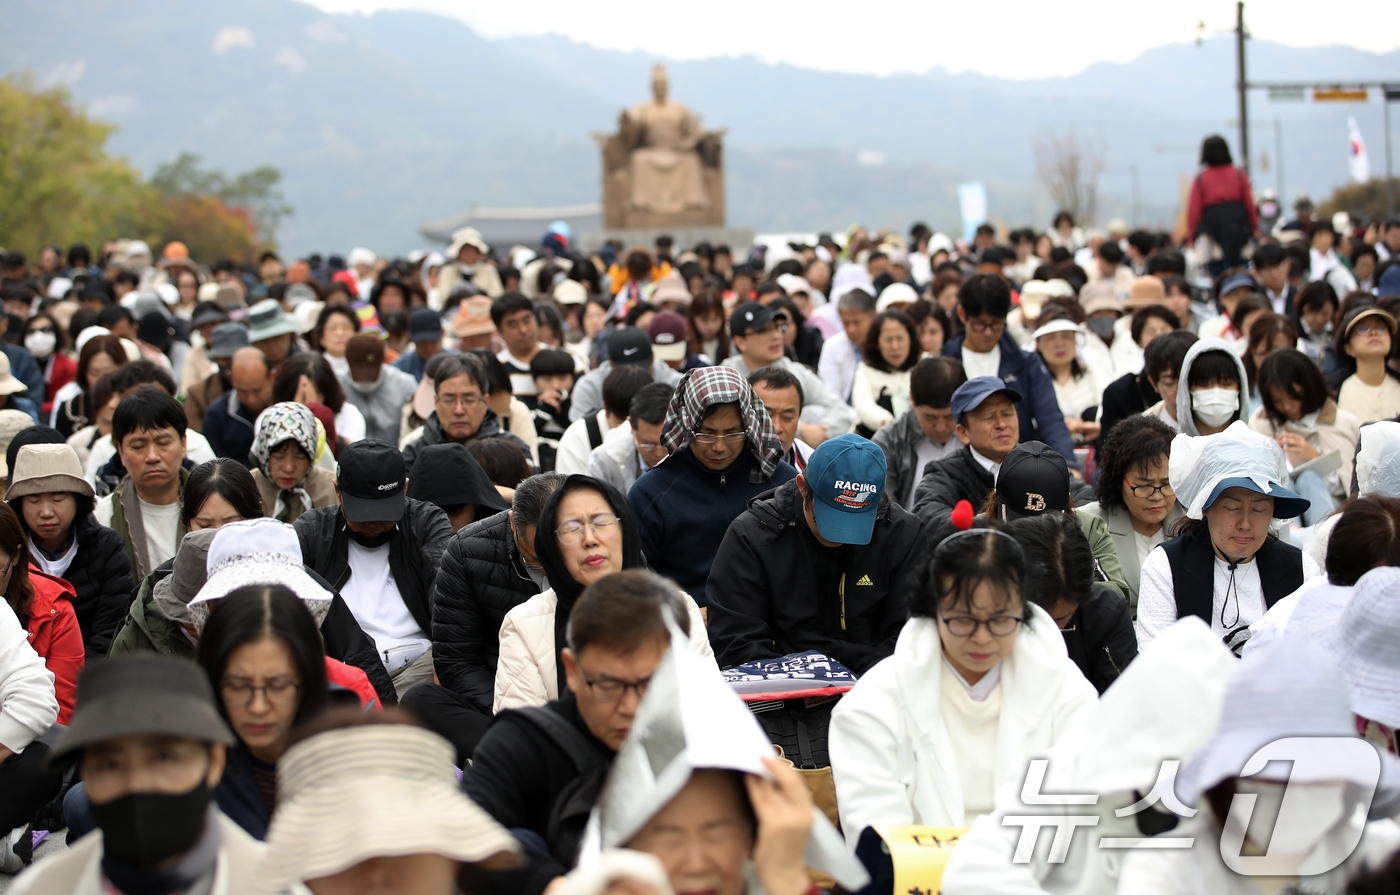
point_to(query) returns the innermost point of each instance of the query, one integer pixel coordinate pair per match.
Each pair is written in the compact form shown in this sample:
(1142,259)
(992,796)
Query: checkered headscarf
(704,387)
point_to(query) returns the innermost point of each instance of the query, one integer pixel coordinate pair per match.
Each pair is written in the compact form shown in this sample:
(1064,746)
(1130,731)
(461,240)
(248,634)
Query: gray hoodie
(1184,416)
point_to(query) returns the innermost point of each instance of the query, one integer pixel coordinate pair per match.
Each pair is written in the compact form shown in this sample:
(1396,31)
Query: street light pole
(1278,159)
(1242,86)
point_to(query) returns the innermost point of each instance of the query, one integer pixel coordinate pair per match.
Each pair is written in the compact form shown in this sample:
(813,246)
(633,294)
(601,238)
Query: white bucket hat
(377,790)
(257,552)
(1287,689)
(1365,643)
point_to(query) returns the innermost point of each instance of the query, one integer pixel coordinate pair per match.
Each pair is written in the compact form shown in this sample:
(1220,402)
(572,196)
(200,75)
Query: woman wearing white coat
(1163,709)
(586,532)
(979,683)
(28,708)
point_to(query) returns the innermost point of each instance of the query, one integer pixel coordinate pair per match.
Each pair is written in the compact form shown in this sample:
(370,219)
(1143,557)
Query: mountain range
(382,122)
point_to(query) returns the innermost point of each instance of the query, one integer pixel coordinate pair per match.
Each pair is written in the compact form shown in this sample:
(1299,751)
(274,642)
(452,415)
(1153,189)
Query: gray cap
(145,693)
(226,339)
(172,594)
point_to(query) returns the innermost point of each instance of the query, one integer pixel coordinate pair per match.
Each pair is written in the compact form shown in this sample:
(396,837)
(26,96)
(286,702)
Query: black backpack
(568,816)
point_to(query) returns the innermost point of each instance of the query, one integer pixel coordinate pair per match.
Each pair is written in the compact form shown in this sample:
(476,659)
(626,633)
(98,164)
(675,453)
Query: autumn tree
(1069,168)
(57,184)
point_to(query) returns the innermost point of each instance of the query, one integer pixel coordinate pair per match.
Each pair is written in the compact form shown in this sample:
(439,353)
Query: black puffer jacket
(434,434)
(774,590)
(945,482)
(101,574)
(482,578)
(1100,637)
(415,552)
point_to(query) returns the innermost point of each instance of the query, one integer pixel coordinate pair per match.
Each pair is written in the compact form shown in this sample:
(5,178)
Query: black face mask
(368,542)
(145,828)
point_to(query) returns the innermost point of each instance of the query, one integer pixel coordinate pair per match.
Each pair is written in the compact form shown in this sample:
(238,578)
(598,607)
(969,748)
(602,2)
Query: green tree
(1363,201)
(57,184)
(255,192)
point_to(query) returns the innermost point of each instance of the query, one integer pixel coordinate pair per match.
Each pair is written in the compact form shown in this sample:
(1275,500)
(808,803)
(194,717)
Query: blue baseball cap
(973,392)
(846,476)
(1237,281)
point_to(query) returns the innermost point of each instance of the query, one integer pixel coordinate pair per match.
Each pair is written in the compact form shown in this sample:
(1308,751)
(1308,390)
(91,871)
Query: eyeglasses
(1370,329)
(708,438)
(642,446)
(978,326)
(571,532)
(467,401)
(1143,492)
(965,626)
(611,690)
(277,692)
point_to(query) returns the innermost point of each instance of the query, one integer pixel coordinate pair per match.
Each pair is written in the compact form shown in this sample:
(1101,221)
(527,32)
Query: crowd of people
(416,575)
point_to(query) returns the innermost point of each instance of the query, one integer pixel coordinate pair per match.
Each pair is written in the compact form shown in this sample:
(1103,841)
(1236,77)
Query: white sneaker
(9,861)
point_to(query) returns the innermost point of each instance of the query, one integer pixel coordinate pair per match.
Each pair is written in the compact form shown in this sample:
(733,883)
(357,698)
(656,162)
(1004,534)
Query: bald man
(228,423)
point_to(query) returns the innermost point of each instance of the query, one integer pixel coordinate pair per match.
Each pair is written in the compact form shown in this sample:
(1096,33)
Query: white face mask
(40,345)
(1314,809)
(366,388)
(1215,406)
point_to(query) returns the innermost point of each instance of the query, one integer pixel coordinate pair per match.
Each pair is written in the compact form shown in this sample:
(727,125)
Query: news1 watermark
(1300,818)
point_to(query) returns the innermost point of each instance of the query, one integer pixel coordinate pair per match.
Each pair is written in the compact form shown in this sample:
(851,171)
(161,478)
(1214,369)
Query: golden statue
(661,169)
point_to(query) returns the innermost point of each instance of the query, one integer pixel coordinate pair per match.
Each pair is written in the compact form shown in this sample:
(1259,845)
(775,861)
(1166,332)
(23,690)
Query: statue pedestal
(619,209)
(739,240)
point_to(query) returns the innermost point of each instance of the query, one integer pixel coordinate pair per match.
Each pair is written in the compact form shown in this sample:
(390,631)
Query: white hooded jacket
(28,706)
(892,756)
(1164,707)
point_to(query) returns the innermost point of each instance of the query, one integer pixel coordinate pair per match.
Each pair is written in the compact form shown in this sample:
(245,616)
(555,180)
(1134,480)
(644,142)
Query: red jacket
(1216,186)
(55,636)
(63,371)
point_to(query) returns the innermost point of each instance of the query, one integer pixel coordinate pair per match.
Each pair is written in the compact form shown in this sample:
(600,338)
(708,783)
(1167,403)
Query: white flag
(1360,163)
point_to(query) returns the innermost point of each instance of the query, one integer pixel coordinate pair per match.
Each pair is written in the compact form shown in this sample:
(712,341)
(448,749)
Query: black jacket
(482,578)
(433,434)
(415,552)
(945,482)
(517,775)
(101,574)
(807,349)
(1100,637)
(1123,397)
(774,590)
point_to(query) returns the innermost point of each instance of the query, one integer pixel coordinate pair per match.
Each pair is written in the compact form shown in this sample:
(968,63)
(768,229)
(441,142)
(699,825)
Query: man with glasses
(628,451)
(988,426)
(757,333)
(724,453)
(538,770)
(819,564)
(488,569)
(382,551)
(988,351)
(460,413)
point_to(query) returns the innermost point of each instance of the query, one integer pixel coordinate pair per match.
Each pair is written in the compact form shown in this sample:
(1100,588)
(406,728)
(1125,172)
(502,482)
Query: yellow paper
(919,854)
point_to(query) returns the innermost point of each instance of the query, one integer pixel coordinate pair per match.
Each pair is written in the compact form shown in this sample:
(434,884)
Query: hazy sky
(1013,38)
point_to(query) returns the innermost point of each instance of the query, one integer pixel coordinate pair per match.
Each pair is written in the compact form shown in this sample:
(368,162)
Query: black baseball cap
(751,317)
(1033,479)
(370,474)
(424,325)
(630,346)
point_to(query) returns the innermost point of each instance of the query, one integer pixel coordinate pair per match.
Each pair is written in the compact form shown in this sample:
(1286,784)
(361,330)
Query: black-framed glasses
(611,690)
(277,692)
(571,532)
(966,626)
(709,438)
(1143,492)
(979,326)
